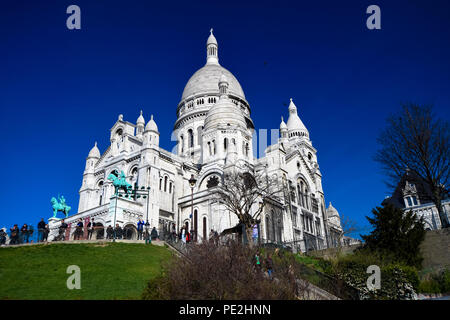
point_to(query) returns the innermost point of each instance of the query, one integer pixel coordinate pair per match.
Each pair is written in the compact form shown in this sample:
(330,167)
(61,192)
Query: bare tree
(415,140)
(245,193)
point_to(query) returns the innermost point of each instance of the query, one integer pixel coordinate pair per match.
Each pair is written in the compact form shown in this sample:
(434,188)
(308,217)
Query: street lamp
(192,182)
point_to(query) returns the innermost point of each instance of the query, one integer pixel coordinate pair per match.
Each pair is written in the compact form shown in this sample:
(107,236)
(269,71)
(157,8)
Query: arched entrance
(99,230)
(129,232)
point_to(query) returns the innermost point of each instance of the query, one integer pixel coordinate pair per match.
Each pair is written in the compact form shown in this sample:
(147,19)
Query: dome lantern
(212,53)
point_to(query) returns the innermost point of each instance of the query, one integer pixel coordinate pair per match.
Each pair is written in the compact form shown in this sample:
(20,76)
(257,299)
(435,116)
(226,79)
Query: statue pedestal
(53,224)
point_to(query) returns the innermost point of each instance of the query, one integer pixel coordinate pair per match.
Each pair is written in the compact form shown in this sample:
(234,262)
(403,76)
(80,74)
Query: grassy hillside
(108,271)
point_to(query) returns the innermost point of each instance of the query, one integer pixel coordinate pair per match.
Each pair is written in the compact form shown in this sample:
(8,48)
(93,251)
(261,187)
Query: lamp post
(135,193)
(192,182)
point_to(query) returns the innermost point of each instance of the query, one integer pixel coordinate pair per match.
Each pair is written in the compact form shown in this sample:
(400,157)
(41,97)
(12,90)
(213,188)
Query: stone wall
(435,249)
(333,252)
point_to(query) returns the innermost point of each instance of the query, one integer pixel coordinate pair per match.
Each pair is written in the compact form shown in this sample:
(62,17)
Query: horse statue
(60,206)
(120,182)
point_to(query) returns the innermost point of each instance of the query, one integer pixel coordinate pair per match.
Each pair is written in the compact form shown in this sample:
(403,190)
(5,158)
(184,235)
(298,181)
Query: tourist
(140,228)
(109,232)
(118,230)
(46,232)
(183,235)
(24,234)
(147,236)
(62,230)
(174,233)
(257,261)
(154,234)
(188,237)
(90,228)
(78,230)
(41,227)
(14,239)
(269,265)
(3,236)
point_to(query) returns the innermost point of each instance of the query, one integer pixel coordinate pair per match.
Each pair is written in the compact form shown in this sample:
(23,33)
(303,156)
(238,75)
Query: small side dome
(224,112)
(333,216)
(140,120)
(94,153)
(294,123)
(151,125)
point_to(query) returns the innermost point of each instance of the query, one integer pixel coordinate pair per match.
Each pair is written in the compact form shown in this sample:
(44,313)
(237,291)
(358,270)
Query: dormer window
(411,201)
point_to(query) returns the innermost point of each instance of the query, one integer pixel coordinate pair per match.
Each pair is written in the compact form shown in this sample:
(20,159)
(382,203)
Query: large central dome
(205,81)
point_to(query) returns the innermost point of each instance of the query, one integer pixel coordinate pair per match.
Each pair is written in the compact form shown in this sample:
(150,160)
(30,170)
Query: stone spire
(212,52)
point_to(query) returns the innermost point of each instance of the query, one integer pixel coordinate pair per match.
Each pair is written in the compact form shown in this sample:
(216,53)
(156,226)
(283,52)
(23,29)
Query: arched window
(165,184)
(134,175)
(160,183)
(100,187)
(195,225)
(199,135)
(214,146)
(190,138)
(209,148)
(204,229)
(268,227)
(225,144)
(246,149)
(182,143)
(170,187)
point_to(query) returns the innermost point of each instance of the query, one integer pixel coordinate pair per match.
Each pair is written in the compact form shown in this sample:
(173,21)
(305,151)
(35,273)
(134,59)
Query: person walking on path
(257,261)
(269,266)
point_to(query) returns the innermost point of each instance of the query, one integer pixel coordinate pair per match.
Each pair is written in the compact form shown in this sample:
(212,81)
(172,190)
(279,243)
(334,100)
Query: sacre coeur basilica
(213,131)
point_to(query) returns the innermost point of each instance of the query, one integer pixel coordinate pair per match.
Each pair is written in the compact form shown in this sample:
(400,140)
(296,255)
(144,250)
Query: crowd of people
(25,234)
(261,263)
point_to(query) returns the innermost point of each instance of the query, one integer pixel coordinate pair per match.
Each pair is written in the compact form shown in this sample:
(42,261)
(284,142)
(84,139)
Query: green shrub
(437,282)
(398,281)
(429,286)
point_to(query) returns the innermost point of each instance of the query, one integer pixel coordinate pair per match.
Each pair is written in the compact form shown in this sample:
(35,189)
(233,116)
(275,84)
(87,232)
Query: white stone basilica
(213,127)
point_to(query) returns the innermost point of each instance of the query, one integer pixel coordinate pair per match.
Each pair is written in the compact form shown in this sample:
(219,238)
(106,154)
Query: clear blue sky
(61,90)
